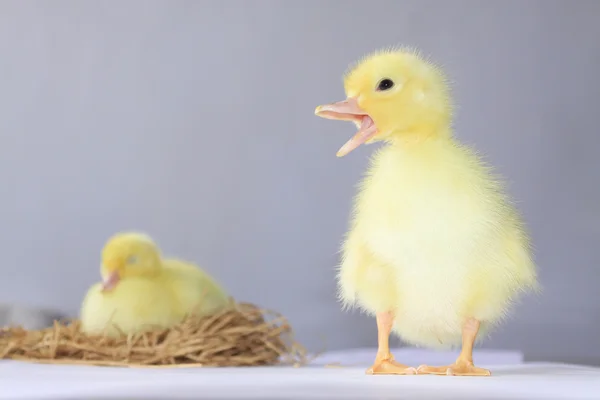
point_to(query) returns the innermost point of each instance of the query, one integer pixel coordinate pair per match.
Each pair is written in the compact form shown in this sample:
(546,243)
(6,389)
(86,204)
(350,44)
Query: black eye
(385,84)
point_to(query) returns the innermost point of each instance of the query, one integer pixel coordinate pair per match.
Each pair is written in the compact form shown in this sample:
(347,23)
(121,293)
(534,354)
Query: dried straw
(242,335)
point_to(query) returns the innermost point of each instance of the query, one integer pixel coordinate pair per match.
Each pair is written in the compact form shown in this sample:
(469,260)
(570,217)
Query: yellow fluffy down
(149,296)
(433,238)
(435,241)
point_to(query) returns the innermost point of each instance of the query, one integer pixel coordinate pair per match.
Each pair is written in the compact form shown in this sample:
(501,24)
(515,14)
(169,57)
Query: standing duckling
(141,290)
(435,249)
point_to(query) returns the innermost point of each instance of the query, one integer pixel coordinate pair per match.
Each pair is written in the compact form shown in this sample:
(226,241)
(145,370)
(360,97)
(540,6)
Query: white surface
(518,381)
(416,357)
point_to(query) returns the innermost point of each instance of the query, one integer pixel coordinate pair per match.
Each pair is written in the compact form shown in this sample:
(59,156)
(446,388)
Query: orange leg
(464,363)
(384,361)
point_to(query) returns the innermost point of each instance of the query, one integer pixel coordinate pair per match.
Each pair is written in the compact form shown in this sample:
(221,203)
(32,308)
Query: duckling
(141,291)
(435,250)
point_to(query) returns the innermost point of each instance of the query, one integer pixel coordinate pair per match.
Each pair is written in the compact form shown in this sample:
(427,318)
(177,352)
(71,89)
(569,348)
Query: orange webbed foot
(387,366)
(459,368)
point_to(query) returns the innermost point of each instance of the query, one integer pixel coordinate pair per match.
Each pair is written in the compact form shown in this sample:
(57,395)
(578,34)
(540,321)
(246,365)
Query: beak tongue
(349,110)
(111,281)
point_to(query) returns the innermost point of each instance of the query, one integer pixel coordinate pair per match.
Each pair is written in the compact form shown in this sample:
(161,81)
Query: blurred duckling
(435,250)
(141,291)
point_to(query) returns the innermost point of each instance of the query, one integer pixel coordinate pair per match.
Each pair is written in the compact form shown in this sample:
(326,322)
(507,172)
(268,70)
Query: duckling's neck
(417,137)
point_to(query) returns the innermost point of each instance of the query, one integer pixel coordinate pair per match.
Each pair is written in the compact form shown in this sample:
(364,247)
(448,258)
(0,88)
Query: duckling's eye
(132,259)
(385,84)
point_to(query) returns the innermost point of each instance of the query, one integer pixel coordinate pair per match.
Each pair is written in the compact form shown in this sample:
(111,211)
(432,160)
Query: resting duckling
(435,249)
(141,290)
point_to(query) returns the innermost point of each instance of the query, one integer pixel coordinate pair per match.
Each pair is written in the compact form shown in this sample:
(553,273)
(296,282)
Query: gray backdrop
(193,121)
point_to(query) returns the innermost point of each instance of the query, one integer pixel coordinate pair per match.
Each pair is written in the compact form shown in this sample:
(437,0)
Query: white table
(509,381)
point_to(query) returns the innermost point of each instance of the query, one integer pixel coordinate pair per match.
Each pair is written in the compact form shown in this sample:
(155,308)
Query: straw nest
(242,335)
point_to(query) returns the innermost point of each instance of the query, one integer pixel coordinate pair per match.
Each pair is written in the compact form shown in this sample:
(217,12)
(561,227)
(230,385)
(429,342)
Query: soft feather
(151,292)
(434,239)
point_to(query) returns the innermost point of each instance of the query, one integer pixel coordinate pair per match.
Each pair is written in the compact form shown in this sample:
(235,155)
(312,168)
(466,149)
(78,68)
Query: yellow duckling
(141,290)
(435,249)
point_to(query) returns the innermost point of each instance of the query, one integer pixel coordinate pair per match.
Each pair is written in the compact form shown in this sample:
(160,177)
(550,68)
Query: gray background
(193,121)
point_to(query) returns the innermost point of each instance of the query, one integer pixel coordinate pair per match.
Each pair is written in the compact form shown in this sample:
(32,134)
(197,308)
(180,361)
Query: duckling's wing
(197,291)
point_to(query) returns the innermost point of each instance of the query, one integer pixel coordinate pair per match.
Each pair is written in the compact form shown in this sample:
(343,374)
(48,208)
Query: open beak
(110,281)
(348,110)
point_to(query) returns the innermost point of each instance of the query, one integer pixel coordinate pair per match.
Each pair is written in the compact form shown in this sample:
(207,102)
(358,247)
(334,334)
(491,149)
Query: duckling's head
(392,94)
(129,254)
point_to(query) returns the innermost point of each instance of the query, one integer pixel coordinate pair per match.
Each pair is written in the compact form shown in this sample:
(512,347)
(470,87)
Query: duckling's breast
(134,305)
(425,203)
(441,225)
